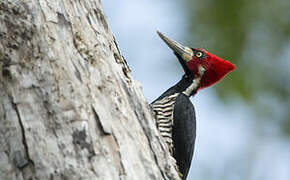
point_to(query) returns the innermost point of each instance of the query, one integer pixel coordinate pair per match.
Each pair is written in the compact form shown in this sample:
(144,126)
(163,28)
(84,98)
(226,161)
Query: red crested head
(215,68)
(206,67)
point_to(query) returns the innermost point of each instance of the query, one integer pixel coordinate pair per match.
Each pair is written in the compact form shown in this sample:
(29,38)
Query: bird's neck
(187,85)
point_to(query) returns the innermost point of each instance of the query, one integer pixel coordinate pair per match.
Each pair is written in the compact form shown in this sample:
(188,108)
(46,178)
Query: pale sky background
(229,143)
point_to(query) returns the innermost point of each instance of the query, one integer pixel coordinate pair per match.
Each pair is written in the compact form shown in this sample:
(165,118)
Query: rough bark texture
(69,108)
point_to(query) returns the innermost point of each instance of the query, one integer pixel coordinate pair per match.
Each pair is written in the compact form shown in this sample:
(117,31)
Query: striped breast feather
(163,109)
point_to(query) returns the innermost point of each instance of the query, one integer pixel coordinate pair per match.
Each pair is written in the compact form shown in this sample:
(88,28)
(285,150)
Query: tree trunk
(69,108)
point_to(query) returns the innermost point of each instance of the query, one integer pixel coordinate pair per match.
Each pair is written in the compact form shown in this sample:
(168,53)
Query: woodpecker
(175,114)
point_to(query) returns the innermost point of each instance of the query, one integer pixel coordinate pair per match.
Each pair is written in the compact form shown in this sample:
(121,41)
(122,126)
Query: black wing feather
(183,133)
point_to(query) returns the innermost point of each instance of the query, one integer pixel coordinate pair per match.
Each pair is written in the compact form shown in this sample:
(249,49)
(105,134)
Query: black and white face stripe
(195,82)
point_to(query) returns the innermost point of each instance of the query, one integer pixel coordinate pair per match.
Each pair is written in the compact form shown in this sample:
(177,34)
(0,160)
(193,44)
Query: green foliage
(255,35)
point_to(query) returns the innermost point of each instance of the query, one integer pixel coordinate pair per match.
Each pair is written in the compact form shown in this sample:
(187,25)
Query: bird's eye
(199,54)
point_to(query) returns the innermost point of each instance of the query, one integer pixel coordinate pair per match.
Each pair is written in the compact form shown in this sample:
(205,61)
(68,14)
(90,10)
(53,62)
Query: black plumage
(181,123)
(183,133)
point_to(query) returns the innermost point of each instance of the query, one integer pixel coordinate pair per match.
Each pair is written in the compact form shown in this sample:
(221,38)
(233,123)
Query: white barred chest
(164,118)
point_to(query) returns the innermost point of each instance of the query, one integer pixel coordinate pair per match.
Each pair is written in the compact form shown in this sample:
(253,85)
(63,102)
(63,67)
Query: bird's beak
(185,52)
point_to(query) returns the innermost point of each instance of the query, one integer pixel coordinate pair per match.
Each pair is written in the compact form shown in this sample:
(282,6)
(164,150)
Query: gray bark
(69,108)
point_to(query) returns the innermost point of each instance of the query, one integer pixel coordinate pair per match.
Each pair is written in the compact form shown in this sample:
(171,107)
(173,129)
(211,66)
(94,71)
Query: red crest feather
(215,68)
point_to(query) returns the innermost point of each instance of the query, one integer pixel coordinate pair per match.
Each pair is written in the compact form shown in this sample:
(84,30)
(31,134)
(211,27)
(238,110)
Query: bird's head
(201,63)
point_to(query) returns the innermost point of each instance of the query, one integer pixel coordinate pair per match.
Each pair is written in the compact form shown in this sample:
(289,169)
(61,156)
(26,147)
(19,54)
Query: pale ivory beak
(185,52)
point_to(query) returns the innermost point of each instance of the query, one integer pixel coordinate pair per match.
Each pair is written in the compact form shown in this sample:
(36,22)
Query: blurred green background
(243,122)
(255,35)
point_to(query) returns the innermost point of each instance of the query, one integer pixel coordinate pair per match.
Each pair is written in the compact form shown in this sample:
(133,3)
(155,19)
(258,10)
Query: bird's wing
(183,133)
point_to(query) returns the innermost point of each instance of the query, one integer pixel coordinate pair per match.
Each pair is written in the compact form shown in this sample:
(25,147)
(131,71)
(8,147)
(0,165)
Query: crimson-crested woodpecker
(175,114)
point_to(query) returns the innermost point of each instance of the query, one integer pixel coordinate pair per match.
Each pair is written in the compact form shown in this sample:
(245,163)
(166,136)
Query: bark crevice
(105,130)
(29,161)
